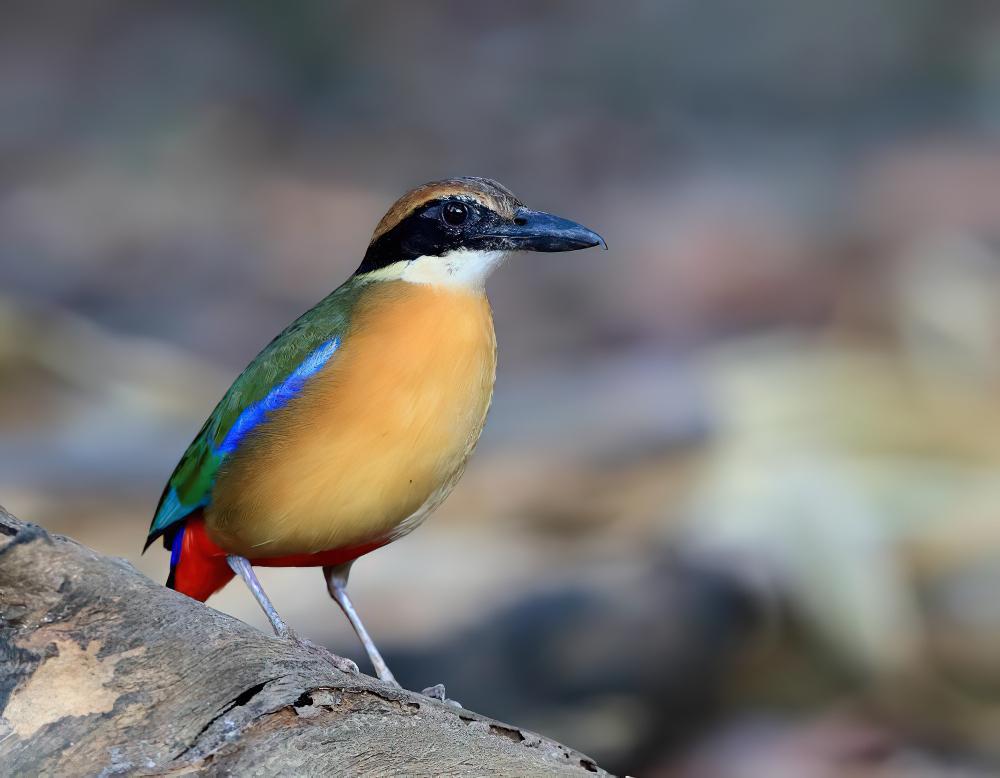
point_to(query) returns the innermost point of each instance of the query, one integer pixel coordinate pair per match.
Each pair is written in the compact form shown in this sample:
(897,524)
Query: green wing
(275,375)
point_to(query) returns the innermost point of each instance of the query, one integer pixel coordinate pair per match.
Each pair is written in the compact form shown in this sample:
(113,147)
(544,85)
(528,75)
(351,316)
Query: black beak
(539,231)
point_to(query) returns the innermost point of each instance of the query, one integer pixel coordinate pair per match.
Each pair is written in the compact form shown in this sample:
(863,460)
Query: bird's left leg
(242,567)
(336,583)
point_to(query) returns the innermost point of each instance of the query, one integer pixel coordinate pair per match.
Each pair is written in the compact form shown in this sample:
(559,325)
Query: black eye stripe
(426,232)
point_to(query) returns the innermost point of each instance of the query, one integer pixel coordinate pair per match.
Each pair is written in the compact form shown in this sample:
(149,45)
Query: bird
(356,421)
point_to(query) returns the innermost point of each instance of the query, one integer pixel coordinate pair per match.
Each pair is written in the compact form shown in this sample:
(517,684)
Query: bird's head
(456,232)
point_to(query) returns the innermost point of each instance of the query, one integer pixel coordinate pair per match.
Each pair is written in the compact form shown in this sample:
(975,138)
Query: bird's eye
(454,213)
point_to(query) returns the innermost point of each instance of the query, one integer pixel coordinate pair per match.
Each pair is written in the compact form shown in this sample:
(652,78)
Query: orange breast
(376,439)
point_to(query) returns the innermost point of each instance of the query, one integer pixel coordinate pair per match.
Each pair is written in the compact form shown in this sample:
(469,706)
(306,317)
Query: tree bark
(103,672)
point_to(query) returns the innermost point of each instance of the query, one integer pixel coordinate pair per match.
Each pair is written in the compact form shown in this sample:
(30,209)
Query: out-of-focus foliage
(737,507)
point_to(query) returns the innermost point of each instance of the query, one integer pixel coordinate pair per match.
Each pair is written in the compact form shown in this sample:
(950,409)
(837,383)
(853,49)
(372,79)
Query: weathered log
(104,672)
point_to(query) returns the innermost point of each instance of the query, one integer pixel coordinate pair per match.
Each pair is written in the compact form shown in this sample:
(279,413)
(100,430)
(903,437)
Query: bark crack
(242,699)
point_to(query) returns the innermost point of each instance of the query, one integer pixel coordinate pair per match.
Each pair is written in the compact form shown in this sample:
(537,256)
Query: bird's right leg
(242,567)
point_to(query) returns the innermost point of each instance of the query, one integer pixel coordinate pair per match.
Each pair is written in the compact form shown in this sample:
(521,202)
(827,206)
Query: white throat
(460,268)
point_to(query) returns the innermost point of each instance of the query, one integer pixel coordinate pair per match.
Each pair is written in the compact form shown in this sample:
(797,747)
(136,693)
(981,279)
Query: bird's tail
(198,567)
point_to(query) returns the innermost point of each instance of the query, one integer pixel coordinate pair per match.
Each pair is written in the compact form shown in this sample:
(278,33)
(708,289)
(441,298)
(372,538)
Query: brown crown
(492,194)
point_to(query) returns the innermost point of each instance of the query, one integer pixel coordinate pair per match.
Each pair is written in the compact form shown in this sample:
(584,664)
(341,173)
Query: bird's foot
(342,663)
(437,692)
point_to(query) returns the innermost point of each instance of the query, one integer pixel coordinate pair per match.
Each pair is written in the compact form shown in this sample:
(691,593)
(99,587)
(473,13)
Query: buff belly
(375,440)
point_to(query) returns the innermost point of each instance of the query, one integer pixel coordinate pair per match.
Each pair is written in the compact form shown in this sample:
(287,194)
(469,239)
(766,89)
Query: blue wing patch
(171,510)
(280,395)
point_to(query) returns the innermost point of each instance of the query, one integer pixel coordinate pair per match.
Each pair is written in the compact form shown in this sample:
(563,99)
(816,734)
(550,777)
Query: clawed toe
(340,662)
(307,644)
(437,692)
(344,664)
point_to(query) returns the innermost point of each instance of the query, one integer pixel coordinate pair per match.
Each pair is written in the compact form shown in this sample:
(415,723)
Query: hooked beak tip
(593,239)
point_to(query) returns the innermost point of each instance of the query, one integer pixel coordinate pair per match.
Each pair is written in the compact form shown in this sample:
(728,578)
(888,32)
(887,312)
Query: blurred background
(736,511)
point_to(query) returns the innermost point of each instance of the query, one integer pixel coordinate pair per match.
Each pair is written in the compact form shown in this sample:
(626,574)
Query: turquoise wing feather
(270,381)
